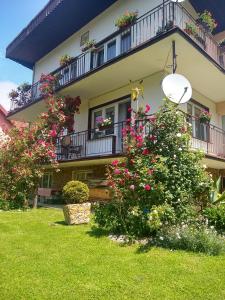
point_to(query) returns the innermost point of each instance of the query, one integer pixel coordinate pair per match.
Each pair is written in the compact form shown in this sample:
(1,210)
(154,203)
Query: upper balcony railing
(156,22)
(95,143)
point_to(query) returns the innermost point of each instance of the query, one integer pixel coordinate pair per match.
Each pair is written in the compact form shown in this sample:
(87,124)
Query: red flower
(115,163)
(147,108)
(147,187)
(146,152)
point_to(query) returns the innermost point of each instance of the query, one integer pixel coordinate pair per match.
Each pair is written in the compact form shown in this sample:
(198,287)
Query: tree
(28,149)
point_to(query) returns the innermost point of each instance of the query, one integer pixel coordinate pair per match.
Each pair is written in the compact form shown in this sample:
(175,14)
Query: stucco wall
(99,28)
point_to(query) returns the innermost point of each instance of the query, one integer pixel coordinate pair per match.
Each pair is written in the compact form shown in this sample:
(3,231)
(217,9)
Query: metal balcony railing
(95,143)
(156,22)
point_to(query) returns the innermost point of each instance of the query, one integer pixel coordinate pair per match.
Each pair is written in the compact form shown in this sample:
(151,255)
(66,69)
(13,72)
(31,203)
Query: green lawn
(41,258)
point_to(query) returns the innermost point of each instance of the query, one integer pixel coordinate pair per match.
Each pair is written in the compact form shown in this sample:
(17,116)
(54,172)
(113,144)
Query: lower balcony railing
(109,142)
(156,22)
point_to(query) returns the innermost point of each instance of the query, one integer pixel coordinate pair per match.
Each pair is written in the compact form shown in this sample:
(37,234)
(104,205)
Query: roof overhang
(57,21)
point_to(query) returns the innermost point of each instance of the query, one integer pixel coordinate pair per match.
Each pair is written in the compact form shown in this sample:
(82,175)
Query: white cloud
(5,89)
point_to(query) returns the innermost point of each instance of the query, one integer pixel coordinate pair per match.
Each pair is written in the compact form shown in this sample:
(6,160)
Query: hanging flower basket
(104,124)
(205,117)
(207,21)
(89,45)
(126,20)
(65,60)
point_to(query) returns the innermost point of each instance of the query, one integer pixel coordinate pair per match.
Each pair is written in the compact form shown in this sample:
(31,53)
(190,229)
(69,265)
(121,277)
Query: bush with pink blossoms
(159,169)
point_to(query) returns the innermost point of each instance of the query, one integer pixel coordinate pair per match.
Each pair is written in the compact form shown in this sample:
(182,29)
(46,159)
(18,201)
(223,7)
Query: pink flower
(147,108)
(132,187)
(117,171)
(130,109)
(115,163)
(150,172)
(147,187)
(145,152)
(53,133)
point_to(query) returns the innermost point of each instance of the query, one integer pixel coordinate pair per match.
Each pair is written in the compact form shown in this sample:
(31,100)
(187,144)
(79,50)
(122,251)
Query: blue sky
(14,16)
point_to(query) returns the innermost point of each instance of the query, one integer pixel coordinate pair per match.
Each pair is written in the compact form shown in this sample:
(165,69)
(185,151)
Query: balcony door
(118,112)
(199,131)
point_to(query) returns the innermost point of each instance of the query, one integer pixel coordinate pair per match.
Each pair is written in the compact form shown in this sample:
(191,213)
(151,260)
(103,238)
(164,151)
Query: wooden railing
(156,22)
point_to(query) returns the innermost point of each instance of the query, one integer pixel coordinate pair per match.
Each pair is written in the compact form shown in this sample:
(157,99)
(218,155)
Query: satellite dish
(177,88)
(177,1)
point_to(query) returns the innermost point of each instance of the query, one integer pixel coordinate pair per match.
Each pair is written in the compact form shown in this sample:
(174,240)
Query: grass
(41,258)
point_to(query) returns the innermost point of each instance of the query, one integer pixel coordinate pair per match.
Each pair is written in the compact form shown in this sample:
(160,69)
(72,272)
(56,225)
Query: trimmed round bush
(75,192)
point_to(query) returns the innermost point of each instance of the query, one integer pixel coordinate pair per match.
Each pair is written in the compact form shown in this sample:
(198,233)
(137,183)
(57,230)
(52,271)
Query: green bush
(191,238)
(216,217)
(75,192)
(161,215)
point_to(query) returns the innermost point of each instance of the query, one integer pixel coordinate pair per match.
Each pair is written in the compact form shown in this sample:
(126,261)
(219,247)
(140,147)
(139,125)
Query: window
(100,56)
(125,42)
(110,113)
(46,181)
(81,175)
(199,131)
(111,50)
(84,38)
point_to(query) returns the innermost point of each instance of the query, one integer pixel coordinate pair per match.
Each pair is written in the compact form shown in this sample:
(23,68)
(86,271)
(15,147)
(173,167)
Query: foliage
(101,122)
(89,45)
(4,138)
(191,29)
(159,169)
(207,20)
(21,95)
(28,149)
(65,60)
(193,238)
(126,19)
(215,195)
(75,192)
(205,117)
(216,217)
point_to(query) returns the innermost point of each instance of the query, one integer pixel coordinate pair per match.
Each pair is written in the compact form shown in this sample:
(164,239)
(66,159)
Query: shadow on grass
(63,223)
(97,232)
(144,248)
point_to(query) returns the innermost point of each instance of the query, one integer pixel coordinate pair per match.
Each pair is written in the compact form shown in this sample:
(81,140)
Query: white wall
(153,95)
(99,28)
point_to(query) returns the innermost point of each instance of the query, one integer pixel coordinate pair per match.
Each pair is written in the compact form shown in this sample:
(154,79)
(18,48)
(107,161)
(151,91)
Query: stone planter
(77,213)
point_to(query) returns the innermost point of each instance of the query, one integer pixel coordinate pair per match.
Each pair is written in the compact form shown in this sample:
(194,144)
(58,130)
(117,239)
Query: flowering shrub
(191,237)
(127,19)
(205,117)
(190,29)
(216,216)
(159,169)
(28,149)
(207,20)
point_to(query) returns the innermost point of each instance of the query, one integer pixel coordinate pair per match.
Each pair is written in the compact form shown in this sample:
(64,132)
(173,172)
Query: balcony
(95,144)
(152,26)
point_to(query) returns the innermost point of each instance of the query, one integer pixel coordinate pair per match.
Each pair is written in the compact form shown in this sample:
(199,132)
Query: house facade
(103,75)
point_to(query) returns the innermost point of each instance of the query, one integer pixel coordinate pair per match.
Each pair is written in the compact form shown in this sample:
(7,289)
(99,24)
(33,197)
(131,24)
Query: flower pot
(75,214)
(104,127)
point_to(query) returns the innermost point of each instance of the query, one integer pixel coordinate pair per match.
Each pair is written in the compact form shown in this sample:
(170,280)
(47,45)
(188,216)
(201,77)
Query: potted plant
(89,45)
(190,29)
(127,19)
(205,117)
(77,210)
(207,21)
(65,60)
(103,124)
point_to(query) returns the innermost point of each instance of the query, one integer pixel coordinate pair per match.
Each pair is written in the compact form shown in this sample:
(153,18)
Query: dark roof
(57,21)
(216,7)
